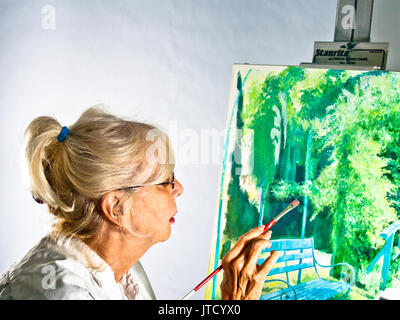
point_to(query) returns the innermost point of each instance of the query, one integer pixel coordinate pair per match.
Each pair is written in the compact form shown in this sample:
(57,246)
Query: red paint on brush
(295,203)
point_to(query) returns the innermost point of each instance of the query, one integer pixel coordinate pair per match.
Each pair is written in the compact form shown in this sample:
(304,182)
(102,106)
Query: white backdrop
(163,61)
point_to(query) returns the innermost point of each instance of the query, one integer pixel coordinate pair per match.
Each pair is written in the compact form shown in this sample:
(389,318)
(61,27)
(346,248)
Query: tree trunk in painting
(240,216)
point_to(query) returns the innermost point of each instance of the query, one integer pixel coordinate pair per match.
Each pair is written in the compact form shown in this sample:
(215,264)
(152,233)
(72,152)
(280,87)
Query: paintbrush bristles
(290,207)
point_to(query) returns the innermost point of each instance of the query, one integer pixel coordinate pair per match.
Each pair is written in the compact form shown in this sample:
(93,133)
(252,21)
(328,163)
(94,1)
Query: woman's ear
(111,205)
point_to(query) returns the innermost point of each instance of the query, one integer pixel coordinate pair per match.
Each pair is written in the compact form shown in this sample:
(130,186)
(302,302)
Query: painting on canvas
(331,139)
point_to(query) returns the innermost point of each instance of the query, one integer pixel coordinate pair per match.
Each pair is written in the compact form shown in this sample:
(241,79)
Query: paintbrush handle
(290,207)
(212,274)
(208,278)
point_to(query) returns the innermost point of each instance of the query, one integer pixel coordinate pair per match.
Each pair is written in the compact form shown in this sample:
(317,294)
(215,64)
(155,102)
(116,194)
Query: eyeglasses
(172,183)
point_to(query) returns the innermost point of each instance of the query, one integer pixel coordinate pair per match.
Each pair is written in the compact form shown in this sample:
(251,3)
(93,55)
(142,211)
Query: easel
(351,48)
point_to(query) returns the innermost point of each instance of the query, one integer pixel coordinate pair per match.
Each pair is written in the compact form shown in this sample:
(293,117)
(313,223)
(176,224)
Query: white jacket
(68,269)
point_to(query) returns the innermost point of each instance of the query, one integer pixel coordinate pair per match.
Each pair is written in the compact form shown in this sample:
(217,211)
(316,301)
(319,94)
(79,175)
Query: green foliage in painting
(351,179)
(357,178)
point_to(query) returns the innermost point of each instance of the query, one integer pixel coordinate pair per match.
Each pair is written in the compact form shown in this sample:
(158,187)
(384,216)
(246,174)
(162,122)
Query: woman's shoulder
(45,272)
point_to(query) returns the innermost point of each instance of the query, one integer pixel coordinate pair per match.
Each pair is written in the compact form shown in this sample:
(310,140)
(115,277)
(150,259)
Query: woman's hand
(243,277)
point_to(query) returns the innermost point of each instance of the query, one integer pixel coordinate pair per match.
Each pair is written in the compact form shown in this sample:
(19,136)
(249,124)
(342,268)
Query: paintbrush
(289,208)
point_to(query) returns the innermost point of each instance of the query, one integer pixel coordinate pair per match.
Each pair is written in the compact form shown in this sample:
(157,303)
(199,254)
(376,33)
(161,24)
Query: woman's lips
(172,219)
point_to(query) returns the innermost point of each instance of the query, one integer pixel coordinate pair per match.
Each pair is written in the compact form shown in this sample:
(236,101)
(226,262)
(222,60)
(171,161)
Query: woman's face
(153,209)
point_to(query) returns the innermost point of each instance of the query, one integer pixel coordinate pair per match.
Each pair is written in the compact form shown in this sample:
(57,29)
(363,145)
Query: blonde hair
(101,153)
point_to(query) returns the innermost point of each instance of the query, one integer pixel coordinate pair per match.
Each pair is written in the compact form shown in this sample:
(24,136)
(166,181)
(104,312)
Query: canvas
(331,139)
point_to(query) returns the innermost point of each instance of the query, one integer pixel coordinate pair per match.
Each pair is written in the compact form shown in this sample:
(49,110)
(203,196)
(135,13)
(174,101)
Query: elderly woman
(110,184)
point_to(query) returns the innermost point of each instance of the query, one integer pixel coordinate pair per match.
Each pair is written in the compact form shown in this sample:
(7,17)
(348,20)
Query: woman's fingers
(243,277)
(255,249)
(267,265)
(235,269)
(242,242)
(245,265)
(232,270)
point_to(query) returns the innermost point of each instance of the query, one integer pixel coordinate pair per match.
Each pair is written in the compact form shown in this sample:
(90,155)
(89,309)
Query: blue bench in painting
(298,254)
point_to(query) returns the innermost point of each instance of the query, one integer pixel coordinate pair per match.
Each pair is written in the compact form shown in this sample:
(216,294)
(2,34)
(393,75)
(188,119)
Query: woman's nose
(178,189)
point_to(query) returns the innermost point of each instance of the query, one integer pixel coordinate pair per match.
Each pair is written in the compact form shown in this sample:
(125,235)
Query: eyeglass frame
(172,183)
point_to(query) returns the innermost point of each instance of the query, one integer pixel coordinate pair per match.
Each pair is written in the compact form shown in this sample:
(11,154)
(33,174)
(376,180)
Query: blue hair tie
(63,134)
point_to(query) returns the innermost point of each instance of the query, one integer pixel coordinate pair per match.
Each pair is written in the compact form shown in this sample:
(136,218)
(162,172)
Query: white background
(160,61)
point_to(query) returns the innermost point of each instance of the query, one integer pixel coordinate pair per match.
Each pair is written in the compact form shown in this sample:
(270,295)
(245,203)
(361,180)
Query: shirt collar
(76,249)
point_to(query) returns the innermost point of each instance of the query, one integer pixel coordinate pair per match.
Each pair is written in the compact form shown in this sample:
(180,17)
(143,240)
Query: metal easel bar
(353,20)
